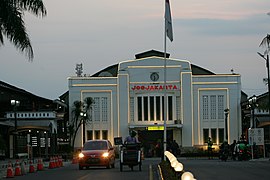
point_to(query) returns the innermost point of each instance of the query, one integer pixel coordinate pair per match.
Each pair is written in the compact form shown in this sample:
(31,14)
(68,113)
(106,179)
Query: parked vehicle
(242,150)
(97,153)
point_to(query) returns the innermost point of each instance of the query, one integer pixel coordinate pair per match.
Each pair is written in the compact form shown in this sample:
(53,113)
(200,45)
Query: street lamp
(83,115)
(268,79)
(252,104)
(226,112)
(15,104)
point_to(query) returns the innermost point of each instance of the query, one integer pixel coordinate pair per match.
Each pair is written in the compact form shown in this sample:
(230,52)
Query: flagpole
(165,92)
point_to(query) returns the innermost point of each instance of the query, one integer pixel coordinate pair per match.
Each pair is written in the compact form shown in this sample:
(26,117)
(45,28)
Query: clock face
(154,76)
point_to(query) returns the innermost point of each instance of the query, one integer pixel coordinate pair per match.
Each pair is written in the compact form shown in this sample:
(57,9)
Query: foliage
(77,120)
(12,23)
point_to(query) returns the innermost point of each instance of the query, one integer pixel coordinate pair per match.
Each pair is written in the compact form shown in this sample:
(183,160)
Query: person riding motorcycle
(224,151)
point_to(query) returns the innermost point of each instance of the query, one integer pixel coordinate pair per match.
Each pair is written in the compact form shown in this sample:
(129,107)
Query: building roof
(113,69)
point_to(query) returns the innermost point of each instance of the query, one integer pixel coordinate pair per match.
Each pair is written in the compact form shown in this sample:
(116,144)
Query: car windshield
(95,145)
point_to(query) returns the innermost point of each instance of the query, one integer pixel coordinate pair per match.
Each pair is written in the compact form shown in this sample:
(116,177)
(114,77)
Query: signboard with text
(256,136)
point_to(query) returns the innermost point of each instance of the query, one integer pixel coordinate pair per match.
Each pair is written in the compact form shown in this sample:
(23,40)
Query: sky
(216,35)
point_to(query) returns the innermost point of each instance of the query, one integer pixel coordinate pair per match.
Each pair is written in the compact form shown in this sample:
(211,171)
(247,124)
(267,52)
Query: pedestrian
(209,148)
(232,149)
(175,148)
(131,139)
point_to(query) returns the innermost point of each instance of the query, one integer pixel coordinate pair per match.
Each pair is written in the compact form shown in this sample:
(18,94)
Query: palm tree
(77,121)
(12,22)
(266,43)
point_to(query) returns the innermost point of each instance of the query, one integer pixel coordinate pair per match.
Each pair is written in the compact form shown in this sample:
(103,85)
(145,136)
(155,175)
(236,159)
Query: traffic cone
(23,167)
(56,162)
(18,171)
(39,165)
(31,167)
(51,164)
(10,171)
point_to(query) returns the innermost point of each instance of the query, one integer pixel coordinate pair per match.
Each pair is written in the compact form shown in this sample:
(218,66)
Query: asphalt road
(202,169)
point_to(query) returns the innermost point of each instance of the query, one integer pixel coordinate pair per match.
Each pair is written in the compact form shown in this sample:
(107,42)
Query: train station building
(130,96)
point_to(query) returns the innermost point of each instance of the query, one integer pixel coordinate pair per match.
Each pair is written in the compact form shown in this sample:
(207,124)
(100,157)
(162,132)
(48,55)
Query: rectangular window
(139,107)
(97,134)
(96,109)
(104,109)
(213,110)
(170,108)
(152,108)
(89,135)
(104,134)
(214,135)
(131,109)
(221,135)
(221,107)
(158,112)
(145,108)
(205,135)
(205,107)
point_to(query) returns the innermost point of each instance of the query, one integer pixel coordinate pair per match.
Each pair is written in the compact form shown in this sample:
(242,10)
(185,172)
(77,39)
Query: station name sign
(154,87)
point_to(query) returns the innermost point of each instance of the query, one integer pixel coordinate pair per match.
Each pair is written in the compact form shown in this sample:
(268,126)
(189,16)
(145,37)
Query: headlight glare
(81,155)
(106,154)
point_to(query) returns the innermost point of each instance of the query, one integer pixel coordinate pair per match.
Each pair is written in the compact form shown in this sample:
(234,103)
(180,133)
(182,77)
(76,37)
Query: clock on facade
(154,76)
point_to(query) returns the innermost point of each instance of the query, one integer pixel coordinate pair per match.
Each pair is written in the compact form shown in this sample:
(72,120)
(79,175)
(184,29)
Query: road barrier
(178,167)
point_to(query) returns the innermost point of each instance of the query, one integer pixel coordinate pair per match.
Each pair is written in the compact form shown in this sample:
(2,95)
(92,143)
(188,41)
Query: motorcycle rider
(224,151)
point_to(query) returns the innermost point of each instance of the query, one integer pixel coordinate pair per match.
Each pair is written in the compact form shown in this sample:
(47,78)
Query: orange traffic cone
(10,171)
(51,164)
(18,171)
(31,167)
(39,165)
(57,162)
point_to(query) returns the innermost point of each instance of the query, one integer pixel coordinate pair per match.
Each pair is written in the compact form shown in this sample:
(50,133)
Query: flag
(168,20)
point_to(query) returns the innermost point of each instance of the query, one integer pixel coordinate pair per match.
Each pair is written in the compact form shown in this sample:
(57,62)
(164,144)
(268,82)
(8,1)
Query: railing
(32,115)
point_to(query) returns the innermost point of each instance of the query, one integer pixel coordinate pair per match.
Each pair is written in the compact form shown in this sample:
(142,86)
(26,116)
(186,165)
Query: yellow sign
(155,128)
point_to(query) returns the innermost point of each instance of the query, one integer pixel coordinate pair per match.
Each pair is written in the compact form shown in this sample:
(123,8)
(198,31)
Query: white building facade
(130,96)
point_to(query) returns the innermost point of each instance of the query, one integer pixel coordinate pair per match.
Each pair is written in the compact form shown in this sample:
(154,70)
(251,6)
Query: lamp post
(226,112)
(15,104)
(252,103)
(83,115)
(268,79)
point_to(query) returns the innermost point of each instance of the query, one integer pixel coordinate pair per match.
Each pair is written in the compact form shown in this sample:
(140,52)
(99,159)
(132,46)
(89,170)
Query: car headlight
(106,154)
(81,155)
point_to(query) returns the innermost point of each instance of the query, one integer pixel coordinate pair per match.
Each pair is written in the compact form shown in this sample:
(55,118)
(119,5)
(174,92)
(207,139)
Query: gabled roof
(8,87)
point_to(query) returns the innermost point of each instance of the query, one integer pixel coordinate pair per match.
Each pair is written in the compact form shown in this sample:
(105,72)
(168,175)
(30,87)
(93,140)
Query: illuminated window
(214,135)
(97,134)
(205,135)
(221,135)
(104,134)
(89,135)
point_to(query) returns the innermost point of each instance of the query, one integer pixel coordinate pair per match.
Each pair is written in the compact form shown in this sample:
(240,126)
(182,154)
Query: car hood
(88,152)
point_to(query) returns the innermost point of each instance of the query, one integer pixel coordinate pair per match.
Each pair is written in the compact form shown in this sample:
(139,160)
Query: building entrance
(152,141)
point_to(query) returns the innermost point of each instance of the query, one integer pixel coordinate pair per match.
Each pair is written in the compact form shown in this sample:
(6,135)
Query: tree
(12,22)
(77,120)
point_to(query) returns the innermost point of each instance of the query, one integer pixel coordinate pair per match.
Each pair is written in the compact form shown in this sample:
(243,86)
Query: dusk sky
(216,35)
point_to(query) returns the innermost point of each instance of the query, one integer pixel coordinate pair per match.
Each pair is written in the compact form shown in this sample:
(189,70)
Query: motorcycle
(224,152)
